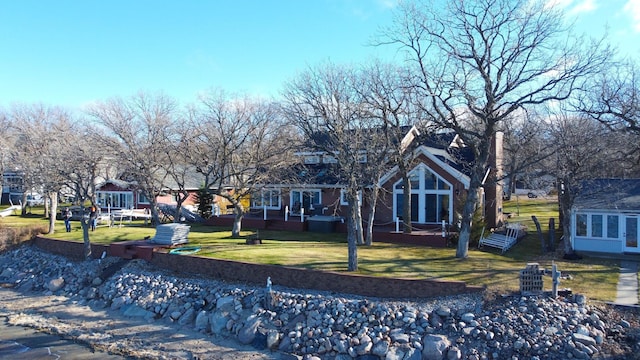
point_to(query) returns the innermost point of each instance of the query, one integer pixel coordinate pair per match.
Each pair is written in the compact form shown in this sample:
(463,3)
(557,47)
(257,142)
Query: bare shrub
(13,237)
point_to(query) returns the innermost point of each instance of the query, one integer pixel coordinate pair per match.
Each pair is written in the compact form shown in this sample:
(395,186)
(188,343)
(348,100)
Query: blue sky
(73,52)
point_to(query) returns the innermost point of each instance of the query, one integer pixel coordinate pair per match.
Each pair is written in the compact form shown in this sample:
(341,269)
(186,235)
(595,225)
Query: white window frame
(258,200)
(292,201)
(343,200)
(589,225)
(421,170)
(102,196)
(140,197)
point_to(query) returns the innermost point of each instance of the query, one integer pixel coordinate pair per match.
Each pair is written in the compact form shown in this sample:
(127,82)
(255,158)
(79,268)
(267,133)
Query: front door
(631,234)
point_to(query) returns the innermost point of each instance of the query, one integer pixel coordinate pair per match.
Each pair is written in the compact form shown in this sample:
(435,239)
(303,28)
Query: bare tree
(6,143)
(479,62)
(615,101)
(177,167)
(326,106)
(143,127)
(615,98)
(586,149)
(527,149)
(39,151)
(237,144)
(84,160)
(387,97)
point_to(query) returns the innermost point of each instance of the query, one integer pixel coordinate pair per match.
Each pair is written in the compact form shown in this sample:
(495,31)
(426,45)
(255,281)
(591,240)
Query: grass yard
(597,278)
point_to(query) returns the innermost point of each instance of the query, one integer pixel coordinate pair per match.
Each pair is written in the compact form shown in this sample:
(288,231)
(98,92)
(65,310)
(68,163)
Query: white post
(301,214)
(286,213)
(555,275)
(397,224)
(264,208)
(444,229)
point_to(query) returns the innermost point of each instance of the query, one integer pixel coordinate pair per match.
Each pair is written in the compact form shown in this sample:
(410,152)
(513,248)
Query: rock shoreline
(317,325)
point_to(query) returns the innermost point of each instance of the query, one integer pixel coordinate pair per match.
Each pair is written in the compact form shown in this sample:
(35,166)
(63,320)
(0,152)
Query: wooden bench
(501,241)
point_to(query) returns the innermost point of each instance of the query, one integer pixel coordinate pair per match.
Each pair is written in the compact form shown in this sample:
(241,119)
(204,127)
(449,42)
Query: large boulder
(435,347)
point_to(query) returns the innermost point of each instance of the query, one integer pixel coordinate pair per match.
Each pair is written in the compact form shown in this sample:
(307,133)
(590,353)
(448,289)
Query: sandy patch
(112,332)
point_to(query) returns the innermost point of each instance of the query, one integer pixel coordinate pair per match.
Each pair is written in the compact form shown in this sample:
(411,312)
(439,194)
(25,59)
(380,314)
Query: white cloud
(573,7)
(388,4)
(632,9)
(562,4)
(583,6)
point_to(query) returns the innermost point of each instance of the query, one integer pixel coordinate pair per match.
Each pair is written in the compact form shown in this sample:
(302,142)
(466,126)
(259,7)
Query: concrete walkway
(628,283)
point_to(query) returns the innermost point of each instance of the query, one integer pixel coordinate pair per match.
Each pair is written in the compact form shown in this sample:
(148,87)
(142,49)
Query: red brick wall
(309,279)
(283,276)
(71,249)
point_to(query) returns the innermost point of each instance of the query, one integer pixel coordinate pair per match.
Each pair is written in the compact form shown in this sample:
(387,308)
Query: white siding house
(605,216)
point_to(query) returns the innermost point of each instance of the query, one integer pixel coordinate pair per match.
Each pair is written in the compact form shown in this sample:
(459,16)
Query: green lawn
(594,277)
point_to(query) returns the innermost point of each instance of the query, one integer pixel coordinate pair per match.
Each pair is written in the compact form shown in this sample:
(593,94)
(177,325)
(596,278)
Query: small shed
(605,216)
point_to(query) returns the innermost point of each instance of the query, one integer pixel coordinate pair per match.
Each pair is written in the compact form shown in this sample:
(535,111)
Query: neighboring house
(12,187)
(118,194)
(14,191)
(605,216)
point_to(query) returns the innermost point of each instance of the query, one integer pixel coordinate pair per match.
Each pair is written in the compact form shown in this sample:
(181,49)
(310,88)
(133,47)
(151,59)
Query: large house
(439,181)
(605,216)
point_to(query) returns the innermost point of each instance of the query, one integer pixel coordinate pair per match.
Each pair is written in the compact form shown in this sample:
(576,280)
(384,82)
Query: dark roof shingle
(609,194)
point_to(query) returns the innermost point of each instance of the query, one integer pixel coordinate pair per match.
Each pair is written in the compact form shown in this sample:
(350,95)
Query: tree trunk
(373,201)
(53,198)
(23,211)
(352,245)
(155,217)
(182,197)
(406,208)
(560,189)
(565,201)
(465,223)
(84,224)
(47,207)
(359,229)
(352,231)
(237,221)
(566,230)
(512,184)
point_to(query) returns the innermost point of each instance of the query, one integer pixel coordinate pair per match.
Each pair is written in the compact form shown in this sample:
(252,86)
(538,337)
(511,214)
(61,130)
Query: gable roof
(122,184)
(442,147)
(439,156)
(608,194)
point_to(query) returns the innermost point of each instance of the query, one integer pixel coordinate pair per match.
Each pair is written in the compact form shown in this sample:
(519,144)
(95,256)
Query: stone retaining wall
(283,276)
